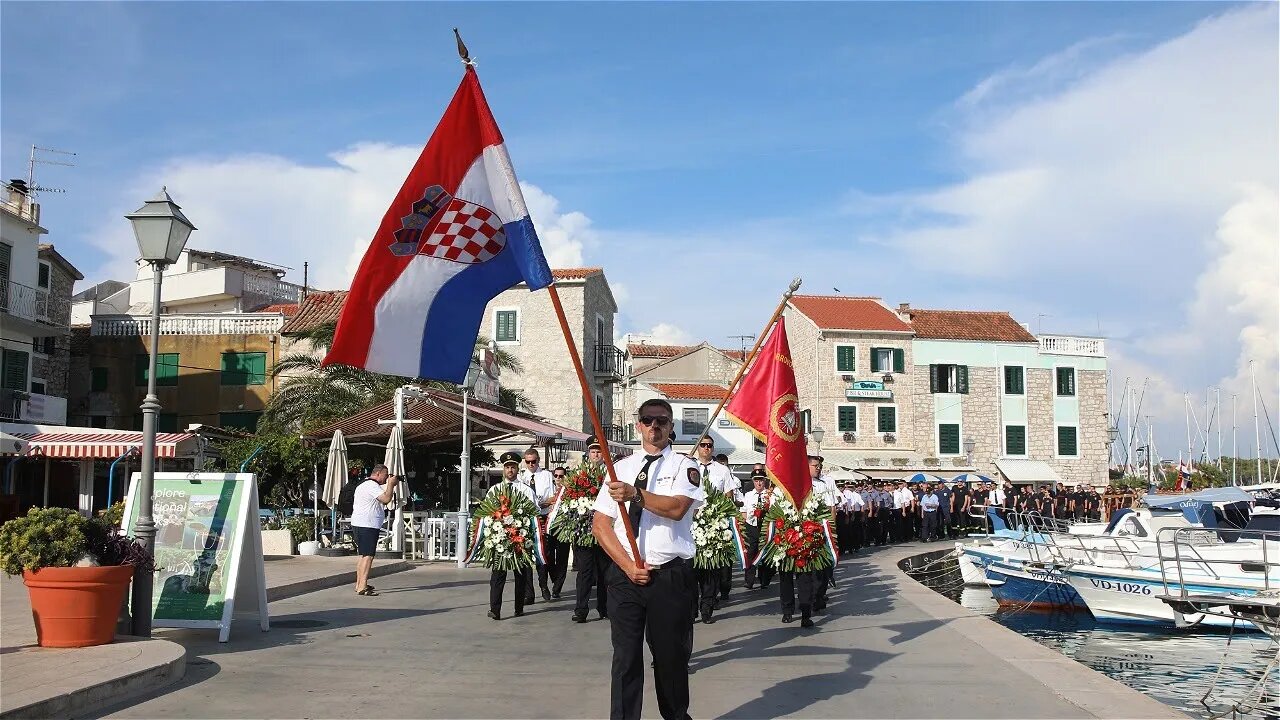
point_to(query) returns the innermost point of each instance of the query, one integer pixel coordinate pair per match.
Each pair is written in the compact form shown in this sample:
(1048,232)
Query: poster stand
(208,549)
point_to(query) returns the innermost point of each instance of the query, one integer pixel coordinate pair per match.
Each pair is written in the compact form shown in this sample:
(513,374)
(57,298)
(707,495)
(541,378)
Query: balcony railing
(1068,345)
(34,304)
(190,324)
(271,290)
(608,360)
(18,406)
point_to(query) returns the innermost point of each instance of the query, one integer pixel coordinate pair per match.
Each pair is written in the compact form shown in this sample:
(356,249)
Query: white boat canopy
(1028,471)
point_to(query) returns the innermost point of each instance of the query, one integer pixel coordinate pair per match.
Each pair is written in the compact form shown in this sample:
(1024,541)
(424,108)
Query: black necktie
(642,482)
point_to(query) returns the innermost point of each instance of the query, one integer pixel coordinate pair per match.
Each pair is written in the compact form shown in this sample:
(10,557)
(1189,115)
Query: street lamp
(161,231)
(969,444)
(816,433)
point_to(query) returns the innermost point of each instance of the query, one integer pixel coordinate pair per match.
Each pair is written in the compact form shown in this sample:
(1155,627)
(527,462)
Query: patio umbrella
(970,478)
(921,477)
(11,444)
(394,460)
(335,476)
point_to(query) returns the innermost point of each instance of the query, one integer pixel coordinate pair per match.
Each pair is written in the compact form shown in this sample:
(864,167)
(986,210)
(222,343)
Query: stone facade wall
(822,390)
(1091,467)
(721,368)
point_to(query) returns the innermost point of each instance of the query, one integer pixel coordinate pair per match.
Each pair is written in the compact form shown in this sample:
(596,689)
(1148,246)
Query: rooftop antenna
(742,341)
(32,187)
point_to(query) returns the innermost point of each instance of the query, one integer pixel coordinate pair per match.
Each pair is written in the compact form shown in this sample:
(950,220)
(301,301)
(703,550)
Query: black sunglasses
(710,445)
(661,420)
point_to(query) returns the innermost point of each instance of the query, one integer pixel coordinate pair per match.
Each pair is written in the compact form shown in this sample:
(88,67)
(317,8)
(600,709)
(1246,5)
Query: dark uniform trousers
(928,525)
(789,583)
(662,612)
(857,529)
(557,565)
(761,573)
(590,562)
(498,581)
(844,531)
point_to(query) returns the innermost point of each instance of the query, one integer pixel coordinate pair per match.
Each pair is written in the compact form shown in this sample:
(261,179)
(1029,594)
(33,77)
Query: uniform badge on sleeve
(694,478)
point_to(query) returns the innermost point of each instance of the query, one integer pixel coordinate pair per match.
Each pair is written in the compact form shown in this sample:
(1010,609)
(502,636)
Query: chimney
(904,308)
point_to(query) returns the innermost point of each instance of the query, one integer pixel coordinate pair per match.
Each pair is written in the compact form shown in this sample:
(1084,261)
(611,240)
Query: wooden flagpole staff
(596,427)
(746,362)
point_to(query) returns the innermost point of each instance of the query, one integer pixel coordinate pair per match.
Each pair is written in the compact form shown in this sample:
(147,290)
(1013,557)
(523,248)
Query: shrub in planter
(76,572)
(302,528)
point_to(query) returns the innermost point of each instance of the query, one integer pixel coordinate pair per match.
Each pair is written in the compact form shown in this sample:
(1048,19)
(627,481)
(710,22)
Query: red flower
(800,563)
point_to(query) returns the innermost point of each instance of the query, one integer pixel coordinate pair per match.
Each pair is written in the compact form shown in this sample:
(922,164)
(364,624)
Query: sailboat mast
(1217,413)
(1257,434)
(1235,444)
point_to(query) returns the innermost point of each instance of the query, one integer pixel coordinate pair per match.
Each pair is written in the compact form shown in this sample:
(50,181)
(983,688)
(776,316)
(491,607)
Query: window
(1067,441)
(806,420)
(166,370)
(601,337)
(165,422)
(1066,381)
(97,421)
(98,383)
(506,325)
(244,368)
(846,358)
(44,345)
(693,421)
(1013,380)
(949,379)
(885,360)
(37,387)
(1015,439)
(847,418)
(948,439)
(886,419)
(239,420)
(42,279)
(13,371)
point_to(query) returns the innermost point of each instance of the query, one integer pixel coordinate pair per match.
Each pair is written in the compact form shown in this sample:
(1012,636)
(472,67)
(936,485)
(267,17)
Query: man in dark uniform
(523,576)
(943,493)
(653,598)
(590,561)
(961,499)
(1077,503)
(1062,503)
(755,505)
(1092,505)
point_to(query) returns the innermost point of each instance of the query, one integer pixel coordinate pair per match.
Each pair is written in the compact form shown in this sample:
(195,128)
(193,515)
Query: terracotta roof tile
(319,308)
(691,391)
(838,312)
(574,273)
(286,309)
(738,355)
(645,350)
(969,325)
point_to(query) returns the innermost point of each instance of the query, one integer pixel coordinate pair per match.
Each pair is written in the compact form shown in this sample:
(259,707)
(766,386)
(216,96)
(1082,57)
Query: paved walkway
(887,648)
(52,682)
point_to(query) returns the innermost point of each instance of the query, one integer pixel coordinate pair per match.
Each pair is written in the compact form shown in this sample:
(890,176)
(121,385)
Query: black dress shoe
(555,596)
(751,586)
(806,622)
(707,619)
(493,615)
(546,595)
(787,618)
(579,617)
(604,616)
(519,612)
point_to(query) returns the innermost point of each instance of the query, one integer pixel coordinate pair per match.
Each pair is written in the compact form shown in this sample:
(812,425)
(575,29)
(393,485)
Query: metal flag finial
(462,49)
(795,285)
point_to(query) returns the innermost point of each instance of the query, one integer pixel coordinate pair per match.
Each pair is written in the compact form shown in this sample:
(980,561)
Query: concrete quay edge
(1093,692)
(324,582)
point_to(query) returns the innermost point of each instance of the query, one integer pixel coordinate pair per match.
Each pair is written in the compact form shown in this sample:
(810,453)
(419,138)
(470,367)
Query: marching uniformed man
(590,562)
(755,506)
(557,553)
(524,576)
(722,479)
(831,496)
(655,595)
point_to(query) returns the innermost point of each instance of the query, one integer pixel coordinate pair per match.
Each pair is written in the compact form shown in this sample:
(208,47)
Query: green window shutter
(899,360)
(140,370)
(99,379)
(948,439)
(846,358)
(1066,381)
(167,422)
(244,368)
(876,365)
(239,420)
(962,379)
(887,419)
(14,369)
(1013,380)
(933,378)
(1015,439)
(505,329)
(167,369)
(847,418)
(1067,440)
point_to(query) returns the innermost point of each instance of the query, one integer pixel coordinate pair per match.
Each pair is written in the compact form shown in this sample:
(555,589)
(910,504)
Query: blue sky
(1103,165)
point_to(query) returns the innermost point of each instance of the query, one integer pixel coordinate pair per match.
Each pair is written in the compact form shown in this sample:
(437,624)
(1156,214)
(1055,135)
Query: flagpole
(596,427)
(795,285)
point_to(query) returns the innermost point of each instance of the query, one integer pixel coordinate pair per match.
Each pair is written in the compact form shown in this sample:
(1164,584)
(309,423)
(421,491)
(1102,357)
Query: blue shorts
(366,540)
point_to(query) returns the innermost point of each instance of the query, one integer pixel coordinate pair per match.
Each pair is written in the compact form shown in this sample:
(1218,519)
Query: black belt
(671,564)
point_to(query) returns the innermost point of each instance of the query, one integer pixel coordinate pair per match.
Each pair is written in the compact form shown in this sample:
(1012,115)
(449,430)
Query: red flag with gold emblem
(767,405)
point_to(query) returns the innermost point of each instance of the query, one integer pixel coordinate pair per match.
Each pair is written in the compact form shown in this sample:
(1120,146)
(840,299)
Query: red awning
(99,444)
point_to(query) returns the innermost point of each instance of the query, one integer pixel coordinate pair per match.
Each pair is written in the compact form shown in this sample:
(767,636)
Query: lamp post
(969,445)
(161,231)
(816,433)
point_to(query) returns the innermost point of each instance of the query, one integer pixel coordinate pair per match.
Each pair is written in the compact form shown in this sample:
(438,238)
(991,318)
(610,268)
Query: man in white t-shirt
(368,511)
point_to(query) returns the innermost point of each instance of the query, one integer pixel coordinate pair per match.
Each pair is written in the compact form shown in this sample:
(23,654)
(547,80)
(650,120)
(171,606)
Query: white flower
(727,535)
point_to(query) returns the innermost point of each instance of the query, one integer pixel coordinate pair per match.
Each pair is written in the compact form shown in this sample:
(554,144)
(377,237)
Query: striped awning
(99,444)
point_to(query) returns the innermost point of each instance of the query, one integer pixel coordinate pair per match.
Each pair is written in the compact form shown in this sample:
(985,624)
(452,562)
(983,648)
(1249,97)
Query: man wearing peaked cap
(590,561)
(755,505)
(524,576)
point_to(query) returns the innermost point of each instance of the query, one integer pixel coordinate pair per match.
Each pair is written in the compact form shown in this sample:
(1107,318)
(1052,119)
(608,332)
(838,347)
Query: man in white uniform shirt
(855,506)
(831,496)
(759,497)
(663,489)
(720,478)
(523,576)
(544,493)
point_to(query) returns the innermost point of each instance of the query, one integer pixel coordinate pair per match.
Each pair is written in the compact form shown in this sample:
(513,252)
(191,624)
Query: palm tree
(310,395)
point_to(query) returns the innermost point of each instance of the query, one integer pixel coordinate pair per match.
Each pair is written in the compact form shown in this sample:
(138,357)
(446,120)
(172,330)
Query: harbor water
(1176,667)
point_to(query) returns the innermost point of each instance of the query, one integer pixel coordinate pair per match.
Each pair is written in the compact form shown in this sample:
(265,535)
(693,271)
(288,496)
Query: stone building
(854,370)
(1034,409)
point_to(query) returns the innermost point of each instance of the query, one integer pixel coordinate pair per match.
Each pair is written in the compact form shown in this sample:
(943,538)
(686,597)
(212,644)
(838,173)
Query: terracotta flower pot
(76,606)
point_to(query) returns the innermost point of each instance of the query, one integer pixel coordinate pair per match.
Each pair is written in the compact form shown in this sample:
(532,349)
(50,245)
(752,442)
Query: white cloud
(663,334)
(274,209)
(1143,188)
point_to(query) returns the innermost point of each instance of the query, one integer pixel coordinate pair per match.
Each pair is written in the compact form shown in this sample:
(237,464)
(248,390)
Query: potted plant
(76,572)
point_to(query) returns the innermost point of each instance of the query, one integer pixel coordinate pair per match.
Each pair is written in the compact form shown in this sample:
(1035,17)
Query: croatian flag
(457,234)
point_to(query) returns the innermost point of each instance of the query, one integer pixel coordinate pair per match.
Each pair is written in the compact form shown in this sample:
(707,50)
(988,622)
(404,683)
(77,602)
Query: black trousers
(498,581)
(708,589)
(590,563)
(725,581)
(662,613)
(789,583)
(754,573)
(843,532)
(823,580)
(858,530)
(929,525)
(556,568)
